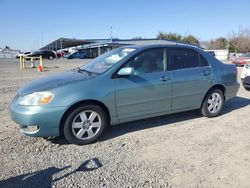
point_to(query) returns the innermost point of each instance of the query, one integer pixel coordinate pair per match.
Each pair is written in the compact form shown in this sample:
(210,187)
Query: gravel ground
(181,150)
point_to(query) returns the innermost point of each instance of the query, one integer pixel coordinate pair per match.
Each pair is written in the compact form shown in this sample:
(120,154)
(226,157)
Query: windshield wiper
(78,69)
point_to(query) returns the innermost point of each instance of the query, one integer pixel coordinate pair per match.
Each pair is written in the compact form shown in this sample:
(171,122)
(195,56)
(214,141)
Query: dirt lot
(181,150)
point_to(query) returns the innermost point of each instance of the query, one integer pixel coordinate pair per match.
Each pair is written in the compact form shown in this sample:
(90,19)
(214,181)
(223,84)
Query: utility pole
(42,39)
(38,43)
(111,33)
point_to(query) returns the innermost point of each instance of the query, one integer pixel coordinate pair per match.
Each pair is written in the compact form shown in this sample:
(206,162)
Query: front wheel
(213,103)
(85,124)
(247,88)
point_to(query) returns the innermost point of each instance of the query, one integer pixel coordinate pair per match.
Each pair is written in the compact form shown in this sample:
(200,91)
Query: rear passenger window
(204,62)
(181,58)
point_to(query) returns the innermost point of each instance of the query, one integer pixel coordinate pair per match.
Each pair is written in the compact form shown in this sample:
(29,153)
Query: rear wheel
(213,103)
(51,57)
(85,124)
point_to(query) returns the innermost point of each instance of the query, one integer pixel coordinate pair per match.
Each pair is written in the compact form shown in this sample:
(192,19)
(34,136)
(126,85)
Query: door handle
(205,73)
(164,78)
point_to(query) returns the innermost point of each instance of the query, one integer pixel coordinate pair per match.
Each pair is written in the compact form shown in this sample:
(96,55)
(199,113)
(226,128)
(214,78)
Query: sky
(30,24)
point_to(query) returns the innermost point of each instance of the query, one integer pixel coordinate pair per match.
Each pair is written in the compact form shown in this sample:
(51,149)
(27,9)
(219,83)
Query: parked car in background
(59,54)
(242,60)
(44,53)
(125,84)
(245,76)
(23,54)
(233,56)
(62,53)
(211,52)
(77,55)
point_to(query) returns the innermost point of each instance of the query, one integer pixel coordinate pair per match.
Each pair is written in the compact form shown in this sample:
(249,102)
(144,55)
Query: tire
(85,124)
(213,103)
(247,88)
(51,57)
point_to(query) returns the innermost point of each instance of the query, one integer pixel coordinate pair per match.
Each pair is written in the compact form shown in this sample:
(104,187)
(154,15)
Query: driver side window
(148,61)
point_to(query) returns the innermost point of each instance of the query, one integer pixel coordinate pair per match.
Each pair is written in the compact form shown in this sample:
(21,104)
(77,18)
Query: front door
(148,91)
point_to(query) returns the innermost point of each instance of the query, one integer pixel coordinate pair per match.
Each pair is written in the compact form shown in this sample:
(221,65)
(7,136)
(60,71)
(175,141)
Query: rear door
(191,78)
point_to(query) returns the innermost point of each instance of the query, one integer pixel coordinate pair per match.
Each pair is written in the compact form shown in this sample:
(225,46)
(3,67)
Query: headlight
(37,98)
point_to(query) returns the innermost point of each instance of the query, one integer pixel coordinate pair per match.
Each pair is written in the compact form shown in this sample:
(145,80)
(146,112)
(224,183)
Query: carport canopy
(63,43)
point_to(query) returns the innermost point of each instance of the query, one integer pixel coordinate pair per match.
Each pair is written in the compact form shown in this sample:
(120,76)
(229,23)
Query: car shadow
(124,128)
(44,178)
(235,104)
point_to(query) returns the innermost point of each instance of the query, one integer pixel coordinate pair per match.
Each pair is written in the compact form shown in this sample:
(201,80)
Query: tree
(239,41)
(190,39)
(219,43)
(169,36)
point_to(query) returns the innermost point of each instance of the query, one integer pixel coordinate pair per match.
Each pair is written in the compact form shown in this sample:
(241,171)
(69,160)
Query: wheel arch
(217,86)
(80,103)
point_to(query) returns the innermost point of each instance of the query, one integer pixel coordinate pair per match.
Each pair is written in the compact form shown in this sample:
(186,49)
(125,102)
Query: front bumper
(246,82)
(46,119)
(241,64)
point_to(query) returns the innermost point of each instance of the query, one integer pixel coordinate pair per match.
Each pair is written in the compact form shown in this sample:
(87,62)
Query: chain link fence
(8,54)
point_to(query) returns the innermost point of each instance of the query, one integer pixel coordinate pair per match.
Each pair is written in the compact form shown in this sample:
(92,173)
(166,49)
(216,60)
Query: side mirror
(126,71)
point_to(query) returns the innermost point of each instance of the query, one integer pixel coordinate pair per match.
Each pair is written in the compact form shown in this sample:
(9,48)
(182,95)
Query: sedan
(48,54)
(23,54)
(125,84)
(242,60)
(76,55)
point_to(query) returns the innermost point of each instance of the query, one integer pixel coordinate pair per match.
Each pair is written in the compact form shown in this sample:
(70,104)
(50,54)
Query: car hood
(50,82)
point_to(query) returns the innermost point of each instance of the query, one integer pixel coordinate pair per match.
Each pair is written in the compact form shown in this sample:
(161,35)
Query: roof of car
(159,45)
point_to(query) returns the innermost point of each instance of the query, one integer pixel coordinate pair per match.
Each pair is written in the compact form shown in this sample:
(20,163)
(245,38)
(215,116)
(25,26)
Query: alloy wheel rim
(214,103)
(86,124)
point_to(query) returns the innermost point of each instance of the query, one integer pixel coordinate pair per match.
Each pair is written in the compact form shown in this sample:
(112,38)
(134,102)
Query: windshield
(107,60)
(36,52)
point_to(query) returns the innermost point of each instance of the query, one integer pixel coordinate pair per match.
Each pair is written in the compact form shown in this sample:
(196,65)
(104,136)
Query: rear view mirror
(126,71)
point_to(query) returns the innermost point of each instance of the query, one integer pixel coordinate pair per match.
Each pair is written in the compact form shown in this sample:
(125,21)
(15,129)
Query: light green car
(125,84)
